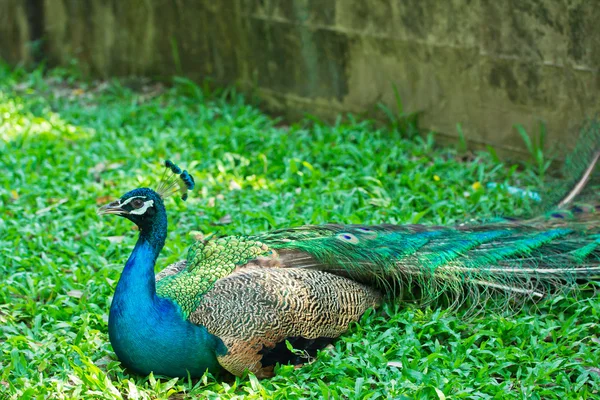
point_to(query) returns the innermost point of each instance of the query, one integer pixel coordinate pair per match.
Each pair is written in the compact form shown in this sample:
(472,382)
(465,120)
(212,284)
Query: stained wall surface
(484,64)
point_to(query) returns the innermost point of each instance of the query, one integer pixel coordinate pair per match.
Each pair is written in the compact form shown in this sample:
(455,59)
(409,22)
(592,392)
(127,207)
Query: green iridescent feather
(207,261)
(513,257)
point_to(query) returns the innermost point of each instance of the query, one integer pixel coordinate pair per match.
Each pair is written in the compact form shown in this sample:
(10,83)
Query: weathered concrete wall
(484,64)
(15,35)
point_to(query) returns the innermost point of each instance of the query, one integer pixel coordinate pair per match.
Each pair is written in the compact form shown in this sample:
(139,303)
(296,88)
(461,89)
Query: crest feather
(174,180)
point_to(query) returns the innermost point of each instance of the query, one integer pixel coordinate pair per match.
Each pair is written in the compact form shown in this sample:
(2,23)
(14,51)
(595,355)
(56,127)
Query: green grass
(67,146)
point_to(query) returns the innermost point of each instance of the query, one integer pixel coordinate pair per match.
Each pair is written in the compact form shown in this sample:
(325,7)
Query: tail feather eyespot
(347,237)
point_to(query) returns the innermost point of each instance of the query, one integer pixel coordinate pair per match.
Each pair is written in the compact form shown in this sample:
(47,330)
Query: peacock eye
(137,203)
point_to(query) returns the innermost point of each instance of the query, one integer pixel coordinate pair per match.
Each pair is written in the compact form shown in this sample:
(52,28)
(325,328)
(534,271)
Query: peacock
(236,303)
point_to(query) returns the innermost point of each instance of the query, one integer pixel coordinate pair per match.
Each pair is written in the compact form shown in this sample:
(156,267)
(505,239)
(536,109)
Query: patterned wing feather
(255,309)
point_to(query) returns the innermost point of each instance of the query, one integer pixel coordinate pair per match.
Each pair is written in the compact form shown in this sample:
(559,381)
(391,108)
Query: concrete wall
(15,35)
(485,64)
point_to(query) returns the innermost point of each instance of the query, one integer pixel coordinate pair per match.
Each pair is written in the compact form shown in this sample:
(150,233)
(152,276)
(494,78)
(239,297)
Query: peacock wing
(255,310)
(234,287)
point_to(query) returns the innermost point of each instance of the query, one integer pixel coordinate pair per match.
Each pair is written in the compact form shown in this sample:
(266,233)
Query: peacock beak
(111,208)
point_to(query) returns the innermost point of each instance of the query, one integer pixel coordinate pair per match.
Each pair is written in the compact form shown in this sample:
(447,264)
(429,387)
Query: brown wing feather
(254,309)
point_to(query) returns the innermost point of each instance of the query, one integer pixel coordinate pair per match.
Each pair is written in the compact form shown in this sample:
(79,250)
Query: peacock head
(142,205)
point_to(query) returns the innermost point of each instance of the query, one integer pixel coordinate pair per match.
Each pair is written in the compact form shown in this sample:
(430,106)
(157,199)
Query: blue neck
(149,333)
(136,289)
(137,284)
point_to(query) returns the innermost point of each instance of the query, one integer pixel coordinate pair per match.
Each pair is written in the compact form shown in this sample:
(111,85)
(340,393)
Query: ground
(68,145)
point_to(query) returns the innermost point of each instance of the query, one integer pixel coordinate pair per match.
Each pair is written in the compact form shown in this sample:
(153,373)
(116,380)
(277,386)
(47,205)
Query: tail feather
(517,258)
(579,170)
(581,183)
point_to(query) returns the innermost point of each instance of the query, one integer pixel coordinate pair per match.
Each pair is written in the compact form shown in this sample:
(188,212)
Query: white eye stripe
(129,200)
(141,210)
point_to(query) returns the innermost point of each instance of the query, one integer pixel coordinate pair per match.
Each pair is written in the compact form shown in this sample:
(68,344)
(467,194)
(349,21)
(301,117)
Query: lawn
(68,145)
